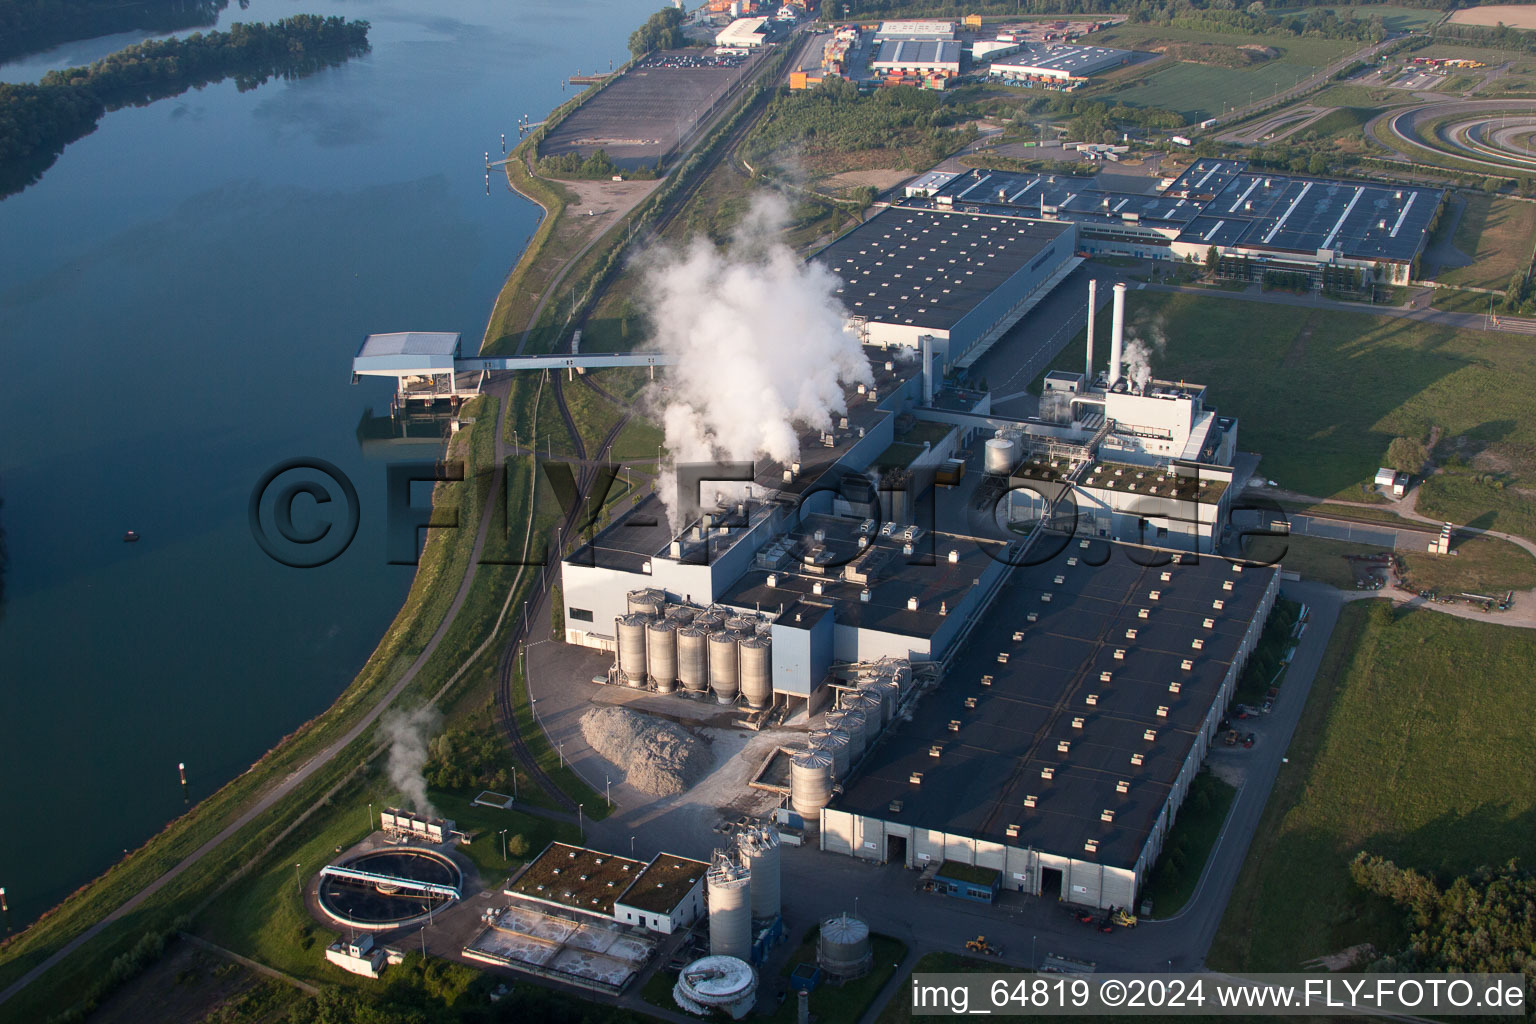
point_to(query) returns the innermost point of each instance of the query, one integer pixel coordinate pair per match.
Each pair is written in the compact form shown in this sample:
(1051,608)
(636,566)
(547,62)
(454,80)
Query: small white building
(668,895)
(361,956)
(743,33)
(1392,482)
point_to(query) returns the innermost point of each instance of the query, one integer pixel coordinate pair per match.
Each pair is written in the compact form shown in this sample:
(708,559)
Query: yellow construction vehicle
(1123,918)
(980,945)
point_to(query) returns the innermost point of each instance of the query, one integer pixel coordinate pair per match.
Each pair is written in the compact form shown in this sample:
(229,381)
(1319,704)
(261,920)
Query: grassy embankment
(1413,745)
(1322,394)
(1497,233)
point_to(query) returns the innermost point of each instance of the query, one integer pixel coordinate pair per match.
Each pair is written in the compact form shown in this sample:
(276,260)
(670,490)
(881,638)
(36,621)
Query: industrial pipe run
(1117,336)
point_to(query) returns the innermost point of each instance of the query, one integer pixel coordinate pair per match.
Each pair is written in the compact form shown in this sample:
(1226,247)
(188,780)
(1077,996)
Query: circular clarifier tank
(381,894)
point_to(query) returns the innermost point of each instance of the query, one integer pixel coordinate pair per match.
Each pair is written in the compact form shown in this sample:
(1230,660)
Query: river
(180,298)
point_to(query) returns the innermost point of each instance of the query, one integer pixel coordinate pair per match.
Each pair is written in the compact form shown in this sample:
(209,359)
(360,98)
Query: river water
(180,299)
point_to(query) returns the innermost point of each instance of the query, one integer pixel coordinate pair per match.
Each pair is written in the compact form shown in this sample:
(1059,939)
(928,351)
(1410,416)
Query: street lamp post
(504,846)
(370,820)
(581,828)
(561,747)
(298,880)
(608,790)
(1032,939)
(631,847)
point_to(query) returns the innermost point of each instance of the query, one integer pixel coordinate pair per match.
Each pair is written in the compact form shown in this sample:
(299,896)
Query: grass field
(1414,745)
(1393,19)
(1199,91)
(1306,51)
(1454,300)
(899,1010)
(1358,96)
(1497,233)
(1325,561)
(1477,499)
(1321,394)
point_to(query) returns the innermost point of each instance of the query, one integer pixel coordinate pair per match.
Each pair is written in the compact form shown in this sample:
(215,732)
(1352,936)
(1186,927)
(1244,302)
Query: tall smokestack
(1093,301)
(1117,335)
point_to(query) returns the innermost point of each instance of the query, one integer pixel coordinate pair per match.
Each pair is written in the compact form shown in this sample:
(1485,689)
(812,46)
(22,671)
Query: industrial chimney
(1093,294)
(1117,335)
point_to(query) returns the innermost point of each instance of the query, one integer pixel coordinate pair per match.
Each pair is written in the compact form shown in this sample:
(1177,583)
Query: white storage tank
(843,947)
(712,619)
(723,676)
(873,711)
(810,783)
(724,983)
(999,458)
(744,624)
(632,648)
(693,659)
(681,614)
(760,854)
(730,907)
(834,742)
(661,654)
(756,661)
(882,698)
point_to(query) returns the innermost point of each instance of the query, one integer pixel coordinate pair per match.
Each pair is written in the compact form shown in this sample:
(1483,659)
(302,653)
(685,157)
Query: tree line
(27,26)
(38,121)
(661,31)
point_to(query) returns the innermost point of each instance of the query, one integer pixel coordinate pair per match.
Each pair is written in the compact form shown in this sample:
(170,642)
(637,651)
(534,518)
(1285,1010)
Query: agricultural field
(1303,51)
(1199,91)
(1321,394)
(1367,772)
(1495,232)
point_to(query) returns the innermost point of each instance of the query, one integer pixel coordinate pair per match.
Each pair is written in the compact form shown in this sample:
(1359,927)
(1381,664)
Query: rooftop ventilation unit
(954,725)
(1046,597)
(1218,604)
(1197,643)
(916,778)
(1060,580)
(1167,576)
(1226,584)
(1162,711)
(1106,676)
(935,750)
(1143,613)
(1130,634)
(1018,635)
(986,680)
(1186,665)
(1077,723)
(1032,617)
(1123,786)
(1155,595)
(1047,773)
(1012,831)
(1119,653)
(1136,760)
(1106,815)
(970,703)
(1063,746)
(1002,657)
(1091,700)
(816,587)
(1175,686)
(1150,735)
(1091,846)
(912,604)
(1029,800)
(1210,623)
(864,596)
(1236,567)
(1072,560)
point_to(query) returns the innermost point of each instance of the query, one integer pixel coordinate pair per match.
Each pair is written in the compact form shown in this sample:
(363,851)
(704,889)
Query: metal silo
(730,908)
(873,710)
(834,742)
(741,624)
(681,614)
(757,671)
(851,724)
(999,456)
(810,783)
(760,853)
(648,601)
(843,947)
(724,677)
(661,655)
(884,695)
(632,649)
(693,659)
(712,619)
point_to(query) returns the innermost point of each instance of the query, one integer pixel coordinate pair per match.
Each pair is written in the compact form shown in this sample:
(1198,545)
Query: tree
(661,31)
(1406,455)
(1212,261)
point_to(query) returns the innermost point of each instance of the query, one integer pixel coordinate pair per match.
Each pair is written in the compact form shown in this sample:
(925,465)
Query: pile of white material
(658,757)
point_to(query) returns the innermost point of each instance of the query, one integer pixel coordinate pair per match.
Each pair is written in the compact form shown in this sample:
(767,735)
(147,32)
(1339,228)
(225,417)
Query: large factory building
(1062,742)
(1260,220)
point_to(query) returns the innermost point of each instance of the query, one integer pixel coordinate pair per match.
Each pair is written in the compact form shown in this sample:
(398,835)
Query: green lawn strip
(1398,700)
(1326,561)
(1479,565)
(1333,509)
(1189,844)
(899,1009)
(848,1001)
(1468,498)
(1454,300)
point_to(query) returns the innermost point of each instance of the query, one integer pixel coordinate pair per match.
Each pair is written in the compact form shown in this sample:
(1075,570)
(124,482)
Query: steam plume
(762,344)
(407,735)
(1139,352)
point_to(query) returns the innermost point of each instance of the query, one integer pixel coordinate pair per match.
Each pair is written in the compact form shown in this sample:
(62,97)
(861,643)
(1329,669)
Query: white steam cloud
(1139,352)
(407,735)
(762,344)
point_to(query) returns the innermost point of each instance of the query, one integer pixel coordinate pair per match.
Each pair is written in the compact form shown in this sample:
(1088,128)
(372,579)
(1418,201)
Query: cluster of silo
(693,658)
(810,782)
(671,646)
(729,885)
(756,664)
(648,601)
(837,744)
(851,724)
(724,666)
(871,707)
(661,653)
(759,849)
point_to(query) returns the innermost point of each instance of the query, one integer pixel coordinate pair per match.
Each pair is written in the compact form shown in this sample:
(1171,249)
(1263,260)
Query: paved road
(1365,55)
(1401,124)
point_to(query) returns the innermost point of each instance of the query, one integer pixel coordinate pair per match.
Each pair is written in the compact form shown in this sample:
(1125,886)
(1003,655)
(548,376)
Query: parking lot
(642,117)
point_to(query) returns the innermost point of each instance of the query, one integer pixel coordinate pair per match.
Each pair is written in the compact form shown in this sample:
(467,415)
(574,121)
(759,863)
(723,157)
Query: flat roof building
(916,30)
(1065,735)
(920,56)
(667,895)
(743,32)
(1061,62)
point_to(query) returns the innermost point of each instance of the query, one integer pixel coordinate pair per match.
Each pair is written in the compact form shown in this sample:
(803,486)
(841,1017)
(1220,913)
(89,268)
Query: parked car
(1231,738)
